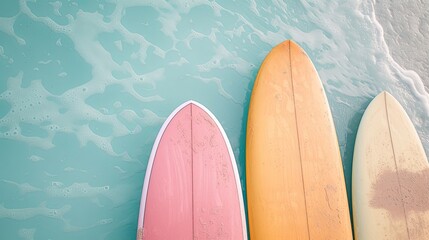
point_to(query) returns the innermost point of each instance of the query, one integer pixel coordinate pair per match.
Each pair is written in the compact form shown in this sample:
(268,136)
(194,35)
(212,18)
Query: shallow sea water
(86,85)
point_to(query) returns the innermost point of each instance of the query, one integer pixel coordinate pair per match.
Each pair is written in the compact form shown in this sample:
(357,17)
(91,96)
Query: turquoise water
(86,85)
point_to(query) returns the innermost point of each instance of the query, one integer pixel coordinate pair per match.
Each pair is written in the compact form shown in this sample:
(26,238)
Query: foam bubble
(62,74)
(36,158)
(105,221)
(71,169)
(118,44)
(27,233)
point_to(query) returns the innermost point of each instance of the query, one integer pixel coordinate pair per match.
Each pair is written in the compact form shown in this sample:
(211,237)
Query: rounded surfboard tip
(288,42)
(392,100)
(285,43)
(292,45)
(383,97)
(388,151)
(184,112)
(379,97)
(197,104)
(384,94)
(189,102)
(388,100)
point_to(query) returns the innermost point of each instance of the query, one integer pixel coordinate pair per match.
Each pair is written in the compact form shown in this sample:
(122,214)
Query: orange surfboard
(295,178)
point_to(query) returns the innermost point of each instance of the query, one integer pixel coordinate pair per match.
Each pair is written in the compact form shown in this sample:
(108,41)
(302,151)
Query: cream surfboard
(295,180)
(192,188)
(390,179)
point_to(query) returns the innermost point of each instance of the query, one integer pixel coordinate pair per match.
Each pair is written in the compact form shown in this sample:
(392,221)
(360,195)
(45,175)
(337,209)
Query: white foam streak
(27,213)
(23,187)
(6,26)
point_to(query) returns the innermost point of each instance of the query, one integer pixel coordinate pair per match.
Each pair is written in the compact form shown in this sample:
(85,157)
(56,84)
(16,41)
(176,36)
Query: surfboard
(294,174)
(192,188)
(390,176)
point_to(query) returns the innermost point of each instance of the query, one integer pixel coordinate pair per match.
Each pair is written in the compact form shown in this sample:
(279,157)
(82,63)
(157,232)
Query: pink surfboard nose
(192,188)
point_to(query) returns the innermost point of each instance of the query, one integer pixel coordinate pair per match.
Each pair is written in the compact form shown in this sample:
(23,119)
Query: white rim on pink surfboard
(154,151)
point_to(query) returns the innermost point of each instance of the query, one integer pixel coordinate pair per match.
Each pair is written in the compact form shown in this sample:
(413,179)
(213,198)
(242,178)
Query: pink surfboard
(192,188)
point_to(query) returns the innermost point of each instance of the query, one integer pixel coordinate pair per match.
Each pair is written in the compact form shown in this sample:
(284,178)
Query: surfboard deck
(192,188)
(295,179)
(390,176)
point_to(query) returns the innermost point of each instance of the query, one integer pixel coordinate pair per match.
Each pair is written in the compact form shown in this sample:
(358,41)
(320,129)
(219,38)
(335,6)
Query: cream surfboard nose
(390,176)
